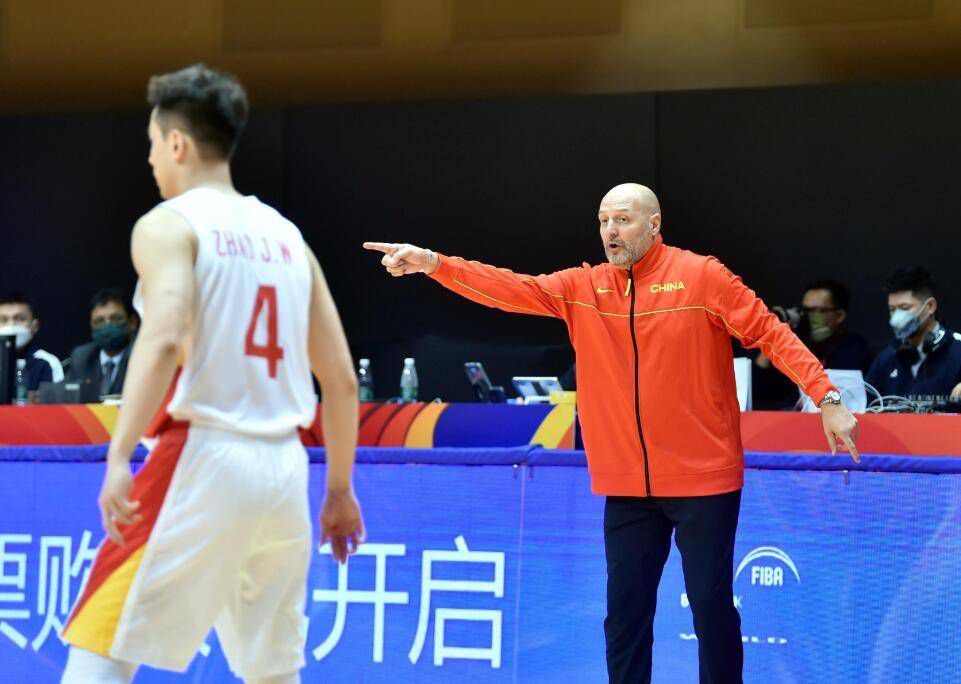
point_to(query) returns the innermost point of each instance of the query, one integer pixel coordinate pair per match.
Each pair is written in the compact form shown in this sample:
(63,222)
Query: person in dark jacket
(924,360)
(103,361)
(822,328)
(18,317)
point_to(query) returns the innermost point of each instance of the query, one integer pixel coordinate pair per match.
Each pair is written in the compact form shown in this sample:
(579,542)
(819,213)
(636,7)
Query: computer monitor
(526,388)
(8,367)
(483,389)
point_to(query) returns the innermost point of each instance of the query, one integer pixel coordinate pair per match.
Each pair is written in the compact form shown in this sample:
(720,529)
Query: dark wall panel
(513,183)
(782,184)
(71,189)
(788,184)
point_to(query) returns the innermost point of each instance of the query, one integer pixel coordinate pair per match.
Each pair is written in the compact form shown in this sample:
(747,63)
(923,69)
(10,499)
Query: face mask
(905,323)
(22,333)
(110,337)
(819,329)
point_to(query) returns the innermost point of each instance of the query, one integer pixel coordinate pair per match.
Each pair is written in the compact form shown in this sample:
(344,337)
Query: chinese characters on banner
(380,597)
(41,577)
(61,570)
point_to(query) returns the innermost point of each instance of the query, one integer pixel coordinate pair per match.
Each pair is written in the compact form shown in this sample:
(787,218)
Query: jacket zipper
(637,389)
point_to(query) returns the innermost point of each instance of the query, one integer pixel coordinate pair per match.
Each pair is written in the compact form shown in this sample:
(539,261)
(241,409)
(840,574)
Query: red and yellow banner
(506,425)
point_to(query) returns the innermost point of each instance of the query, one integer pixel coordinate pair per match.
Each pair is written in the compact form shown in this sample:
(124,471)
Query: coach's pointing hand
(403,259)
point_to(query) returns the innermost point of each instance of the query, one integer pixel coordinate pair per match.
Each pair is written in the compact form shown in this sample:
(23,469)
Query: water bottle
(20,392)
(365,381)
(408,381)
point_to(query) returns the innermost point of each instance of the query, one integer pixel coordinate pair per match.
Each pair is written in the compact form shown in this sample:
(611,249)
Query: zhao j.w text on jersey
(655,380)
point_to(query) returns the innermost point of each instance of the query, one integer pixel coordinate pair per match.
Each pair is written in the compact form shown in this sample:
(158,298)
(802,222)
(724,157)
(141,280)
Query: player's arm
(164,249)
(341,522)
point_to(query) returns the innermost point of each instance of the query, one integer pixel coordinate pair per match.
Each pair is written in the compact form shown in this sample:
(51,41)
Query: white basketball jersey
(246,367)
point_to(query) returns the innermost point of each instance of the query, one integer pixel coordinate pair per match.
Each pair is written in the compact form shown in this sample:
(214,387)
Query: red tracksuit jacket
(655,376)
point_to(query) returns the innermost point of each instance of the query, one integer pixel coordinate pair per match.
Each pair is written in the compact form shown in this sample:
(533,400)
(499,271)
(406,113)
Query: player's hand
(840,426)
(342,524)
(115,506)
(404,259)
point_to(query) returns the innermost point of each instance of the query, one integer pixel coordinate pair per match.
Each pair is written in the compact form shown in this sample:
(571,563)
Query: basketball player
(215,529)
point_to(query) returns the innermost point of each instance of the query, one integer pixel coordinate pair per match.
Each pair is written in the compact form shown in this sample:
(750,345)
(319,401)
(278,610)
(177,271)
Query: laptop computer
(69,393)
(536,389)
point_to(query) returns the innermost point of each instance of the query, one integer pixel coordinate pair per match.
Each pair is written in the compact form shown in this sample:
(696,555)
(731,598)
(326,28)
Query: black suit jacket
(85,366)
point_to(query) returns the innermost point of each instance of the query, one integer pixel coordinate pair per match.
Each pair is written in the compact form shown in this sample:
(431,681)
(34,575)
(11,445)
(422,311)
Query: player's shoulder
(192,201)
(271,213)
(162,231)
(163,221)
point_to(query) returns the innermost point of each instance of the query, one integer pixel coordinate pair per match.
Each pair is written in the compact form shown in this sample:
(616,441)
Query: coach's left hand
(840,426)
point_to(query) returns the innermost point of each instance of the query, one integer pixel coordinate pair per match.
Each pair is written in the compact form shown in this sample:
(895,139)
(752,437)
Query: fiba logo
(763,621)
(768,574)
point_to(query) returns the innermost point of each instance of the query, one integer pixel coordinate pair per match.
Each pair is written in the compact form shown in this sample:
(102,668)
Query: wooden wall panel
(288,25)
(60,55)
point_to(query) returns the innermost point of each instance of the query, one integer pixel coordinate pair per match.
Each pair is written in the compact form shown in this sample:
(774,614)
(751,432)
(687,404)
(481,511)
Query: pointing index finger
(852,448)
(385,247)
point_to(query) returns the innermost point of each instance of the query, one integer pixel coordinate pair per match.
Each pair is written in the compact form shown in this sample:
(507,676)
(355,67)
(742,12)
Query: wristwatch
(832,397)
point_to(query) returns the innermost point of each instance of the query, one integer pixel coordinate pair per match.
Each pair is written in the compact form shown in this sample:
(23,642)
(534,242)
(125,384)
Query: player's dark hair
(210,105)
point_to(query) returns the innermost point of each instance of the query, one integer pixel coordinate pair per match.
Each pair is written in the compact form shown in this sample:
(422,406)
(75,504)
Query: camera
(793,316)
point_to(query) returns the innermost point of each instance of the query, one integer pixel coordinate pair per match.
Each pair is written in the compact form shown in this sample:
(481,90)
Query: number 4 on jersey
(266,295)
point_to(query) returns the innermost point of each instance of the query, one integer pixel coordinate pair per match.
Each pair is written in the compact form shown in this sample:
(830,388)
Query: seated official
(825,308)
(103,361)
(821,326)
(18,317)
(924,360)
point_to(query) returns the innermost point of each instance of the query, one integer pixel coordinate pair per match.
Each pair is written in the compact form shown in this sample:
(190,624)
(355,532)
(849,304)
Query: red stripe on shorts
(150,486)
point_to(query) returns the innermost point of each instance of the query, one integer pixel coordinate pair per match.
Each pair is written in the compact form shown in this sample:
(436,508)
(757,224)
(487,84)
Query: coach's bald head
(640,195)
(630,220)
